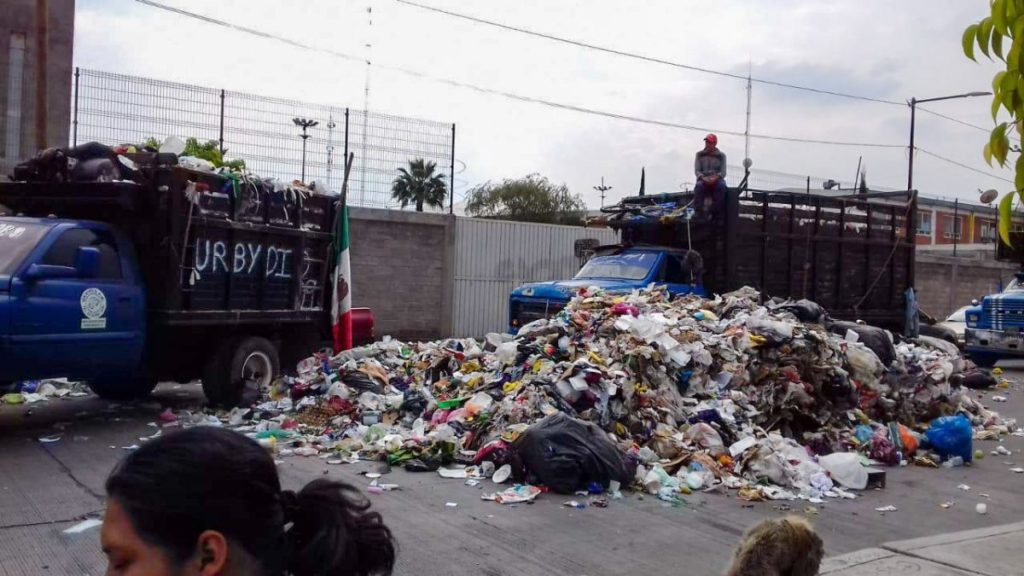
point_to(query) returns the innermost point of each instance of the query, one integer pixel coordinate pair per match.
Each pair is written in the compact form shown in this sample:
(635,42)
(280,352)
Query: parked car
(957,322)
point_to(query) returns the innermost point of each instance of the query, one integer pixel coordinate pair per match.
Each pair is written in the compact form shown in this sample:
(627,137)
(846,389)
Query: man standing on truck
(710,191)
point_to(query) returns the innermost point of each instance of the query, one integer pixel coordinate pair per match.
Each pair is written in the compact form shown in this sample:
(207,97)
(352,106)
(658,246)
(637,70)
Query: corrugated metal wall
(492,257)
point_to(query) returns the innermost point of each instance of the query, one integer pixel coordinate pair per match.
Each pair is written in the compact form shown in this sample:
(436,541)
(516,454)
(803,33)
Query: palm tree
(419,185)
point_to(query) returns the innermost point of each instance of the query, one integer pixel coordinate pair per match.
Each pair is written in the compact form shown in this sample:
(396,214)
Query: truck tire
(124,388)
(239,369)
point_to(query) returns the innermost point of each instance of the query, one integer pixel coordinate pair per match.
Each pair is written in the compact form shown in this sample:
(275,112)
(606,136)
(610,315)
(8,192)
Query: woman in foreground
(208,502)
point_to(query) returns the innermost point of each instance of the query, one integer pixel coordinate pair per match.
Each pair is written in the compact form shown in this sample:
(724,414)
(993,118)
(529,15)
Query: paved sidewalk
(996,551)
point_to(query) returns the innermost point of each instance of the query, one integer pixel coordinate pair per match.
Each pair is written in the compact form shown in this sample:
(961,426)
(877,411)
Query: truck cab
(614,269)
(72,302)
(994,325)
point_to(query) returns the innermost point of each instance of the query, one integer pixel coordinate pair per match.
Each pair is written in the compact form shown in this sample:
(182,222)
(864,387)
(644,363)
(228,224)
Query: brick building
(23,93)
(941,221)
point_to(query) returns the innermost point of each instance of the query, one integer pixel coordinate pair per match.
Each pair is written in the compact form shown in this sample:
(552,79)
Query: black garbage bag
(804,310)
(974,379)
(361,382)
(566,455)
(874,338)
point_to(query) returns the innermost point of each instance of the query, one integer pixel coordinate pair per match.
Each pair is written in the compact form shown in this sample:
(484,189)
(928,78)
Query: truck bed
(230,256)
(853,255)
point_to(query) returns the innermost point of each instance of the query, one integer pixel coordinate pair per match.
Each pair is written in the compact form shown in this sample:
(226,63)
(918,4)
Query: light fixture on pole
(602,189)
(305,124)
(913,108)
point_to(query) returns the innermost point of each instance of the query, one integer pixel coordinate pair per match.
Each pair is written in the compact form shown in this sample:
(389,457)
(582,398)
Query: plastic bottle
(478,403)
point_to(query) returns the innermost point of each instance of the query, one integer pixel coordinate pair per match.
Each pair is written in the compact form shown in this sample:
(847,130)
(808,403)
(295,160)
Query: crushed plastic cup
(487,469)
(478,403)
(501,475)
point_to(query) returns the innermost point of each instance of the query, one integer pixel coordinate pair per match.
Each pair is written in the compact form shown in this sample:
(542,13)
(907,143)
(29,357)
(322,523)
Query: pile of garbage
(668,395)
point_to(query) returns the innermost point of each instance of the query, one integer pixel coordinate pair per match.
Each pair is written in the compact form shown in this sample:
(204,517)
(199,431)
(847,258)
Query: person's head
(786,545)
(710,142)
(207,501)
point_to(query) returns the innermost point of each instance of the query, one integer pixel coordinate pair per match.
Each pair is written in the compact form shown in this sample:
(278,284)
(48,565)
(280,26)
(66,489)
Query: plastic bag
(909,440)
(845,468)
(705,436)
(951,436)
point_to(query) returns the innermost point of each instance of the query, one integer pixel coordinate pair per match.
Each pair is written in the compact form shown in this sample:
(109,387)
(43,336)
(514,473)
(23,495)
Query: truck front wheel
(237,372)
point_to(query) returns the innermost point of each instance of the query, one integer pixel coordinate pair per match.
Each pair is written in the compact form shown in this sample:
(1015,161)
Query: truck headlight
(972,319)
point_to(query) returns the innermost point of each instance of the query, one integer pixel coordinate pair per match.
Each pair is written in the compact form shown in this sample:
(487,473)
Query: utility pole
(42,52)
(746,132)
(368,46)
(602,189)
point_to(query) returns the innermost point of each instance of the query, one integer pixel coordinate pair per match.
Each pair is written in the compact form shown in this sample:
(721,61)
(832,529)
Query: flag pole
(341,286)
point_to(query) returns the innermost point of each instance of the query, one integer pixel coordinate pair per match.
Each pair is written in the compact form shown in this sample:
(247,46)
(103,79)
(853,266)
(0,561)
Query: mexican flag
(341,295)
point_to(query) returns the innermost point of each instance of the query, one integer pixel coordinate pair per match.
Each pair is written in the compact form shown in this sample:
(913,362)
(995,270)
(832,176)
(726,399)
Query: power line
(673,64)
(512,95)
(957,120)
(962,165)
(644,57)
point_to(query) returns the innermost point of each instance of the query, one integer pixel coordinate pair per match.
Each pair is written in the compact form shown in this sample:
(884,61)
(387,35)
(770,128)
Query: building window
(951,231)
(15,79)
(924,223)
(988,232)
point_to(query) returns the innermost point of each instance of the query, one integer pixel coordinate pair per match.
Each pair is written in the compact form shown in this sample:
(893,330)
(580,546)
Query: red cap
(712,139)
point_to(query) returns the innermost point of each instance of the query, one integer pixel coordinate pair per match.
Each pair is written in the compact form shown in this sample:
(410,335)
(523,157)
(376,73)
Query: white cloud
(882,49)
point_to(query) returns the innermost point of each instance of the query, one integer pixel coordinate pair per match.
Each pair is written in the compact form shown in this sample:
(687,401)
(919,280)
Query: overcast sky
(887,50)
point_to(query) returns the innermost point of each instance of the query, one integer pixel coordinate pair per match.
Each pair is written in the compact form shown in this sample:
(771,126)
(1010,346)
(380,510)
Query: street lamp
(913,107)
(305,124)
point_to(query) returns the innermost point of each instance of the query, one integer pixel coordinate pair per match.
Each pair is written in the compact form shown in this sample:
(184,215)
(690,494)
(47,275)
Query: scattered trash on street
(665,395)
(84,526)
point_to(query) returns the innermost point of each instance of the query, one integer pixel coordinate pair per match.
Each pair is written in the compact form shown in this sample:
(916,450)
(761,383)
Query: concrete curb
(982,552)
(952,537)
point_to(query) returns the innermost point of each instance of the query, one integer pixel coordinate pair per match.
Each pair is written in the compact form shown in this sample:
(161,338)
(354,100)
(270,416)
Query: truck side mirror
(87,261)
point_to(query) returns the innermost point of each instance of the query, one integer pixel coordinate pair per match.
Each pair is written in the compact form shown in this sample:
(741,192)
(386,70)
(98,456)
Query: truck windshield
(16,240)
(635,266)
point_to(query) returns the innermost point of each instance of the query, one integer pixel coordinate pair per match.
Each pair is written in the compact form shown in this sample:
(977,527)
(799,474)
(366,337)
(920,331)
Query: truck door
(78,327)
(675,274)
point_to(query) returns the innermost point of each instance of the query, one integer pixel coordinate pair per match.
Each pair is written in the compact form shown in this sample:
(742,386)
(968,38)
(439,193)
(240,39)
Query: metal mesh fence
(119,109)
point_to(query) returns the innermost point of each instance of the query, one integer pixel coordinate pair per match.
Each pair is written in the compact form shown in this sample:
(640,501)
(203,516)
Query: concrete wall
(19,16)
(429,276)
(945,283)
(402,269)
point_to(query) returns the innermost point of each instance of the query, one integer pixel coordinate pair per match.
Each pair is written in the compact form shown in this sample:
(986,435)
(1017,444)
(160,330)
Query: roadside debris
(84,526)
(667,395)
(33,391)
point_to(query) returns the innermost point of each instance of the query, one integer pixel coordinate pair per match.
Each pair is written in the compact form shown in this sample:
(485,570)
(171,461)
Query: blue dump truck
(994,325)
(164,273)
(850,254)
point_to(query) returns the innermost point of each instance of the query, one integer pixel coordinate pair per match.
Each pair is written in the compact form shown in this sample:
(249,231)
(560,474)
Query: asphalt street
(443,527)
